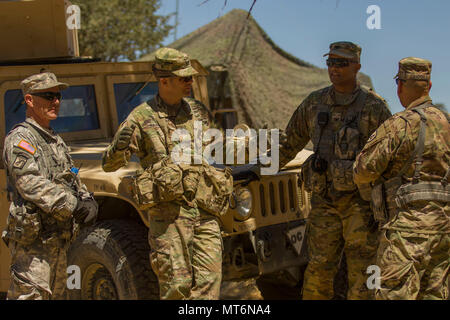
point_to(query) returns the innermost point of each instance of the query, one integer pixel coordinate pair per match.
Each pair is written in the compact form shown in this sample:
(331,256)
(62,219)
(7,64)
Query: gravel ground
(240,290)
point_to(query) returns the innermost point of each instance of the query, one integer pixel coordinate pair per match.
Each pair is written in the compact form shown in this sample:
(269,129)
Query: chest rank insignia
(27,147)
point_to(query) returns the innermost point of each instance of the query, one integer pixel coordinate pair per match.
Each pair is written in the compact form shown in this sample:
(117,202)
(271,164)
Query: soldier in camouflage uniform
(186,241)
(48,200)
(338,119)
(408,161)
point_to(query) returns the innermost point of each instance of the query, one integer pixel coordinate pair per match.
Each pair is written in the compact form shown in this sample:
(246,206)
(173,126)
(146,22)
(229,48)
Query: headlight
(242,203)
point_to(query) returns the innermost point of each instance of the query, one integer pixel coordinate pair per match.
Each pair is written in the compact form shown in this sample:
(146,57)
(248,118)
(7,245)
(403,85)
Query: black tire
(113,256)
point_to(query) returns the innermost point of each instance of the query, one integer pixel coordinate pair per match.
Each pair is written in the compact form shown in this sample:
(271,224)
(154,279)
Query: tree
(114,30)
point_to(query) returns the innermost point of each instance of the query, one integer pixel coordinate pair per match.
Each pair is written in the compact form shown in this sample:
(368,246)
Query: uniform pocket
(313,181)
(342,173)
(22,226)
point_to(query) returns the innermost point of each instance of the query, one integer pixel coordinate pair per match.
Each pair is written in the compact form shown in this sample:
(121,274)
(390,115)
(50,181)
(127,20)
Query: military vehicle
(262,231)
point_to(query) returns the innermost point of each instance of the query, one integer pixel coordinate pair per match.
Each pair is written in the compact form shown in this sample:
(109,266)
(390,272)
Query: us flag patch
(27,146)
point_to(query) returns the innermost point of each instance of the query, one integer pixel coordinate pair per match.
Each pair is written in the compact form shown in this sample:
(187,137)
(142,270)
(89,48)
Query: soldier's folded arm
(118,153)
(379,150)
(34,187)
(296,135)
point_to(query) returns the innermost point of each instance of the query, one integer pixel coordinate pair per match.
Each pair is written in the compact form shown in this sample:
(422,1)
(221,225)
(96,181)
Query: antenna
(176,20)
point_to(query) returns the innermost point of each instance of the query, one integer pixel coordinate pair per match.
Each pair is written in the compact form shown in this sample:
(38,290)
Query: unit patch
(20,162)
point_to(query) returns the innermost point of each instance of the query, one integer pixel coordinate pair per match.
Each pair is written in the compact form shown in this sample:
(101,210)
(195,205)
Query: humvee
(263,230)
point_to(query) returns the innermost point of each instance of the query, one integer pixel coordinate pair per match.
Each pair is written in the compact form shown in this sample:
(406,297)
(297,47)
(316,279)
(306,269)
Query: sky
(305,28)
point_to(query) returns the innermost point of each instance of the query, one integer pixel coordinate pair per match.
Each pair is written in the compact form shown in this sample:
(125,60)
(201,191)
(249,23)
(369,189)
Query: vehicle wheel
(113,257)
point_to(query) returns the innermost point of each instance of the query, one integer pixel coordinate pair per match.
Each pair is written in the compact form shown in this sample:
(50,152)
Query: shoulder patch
(20,162)
(28,147)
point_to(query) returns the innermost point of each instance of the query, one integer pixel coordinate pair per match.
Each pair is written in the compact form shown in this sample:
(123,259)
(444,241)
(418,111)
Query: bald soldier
(185,240)
(48,203)
(338,120)
(408,161)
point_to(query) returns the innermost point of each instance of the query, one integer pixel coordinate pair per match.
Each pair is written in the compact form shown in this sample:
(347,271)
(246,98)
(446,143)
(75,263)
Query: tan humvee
(262,234)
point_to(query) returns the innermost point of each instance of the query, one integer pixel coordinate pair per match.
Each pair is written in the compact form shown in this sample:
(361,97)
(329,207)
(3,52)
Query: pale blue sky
(305,28)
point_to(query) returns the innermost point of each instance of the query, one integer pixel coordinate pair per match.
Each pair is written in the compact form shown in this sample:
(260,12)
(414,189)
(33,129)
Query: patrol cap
(413,68)
(171,62)
(41,81)
(345,49)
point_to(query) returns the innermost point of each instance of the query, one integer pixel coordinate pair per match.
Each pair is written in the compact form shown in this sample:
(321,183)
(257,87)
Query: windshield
(130,95)
(78,110)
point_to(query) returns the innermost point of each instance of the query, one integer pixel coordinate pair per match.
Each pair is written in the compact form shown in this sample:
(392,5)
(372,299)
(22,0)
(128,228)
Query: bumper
(262,251)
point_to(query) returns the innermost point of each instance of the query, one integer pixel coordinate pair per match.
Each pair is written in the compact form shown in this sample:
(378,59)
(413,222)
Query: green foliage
(114,30)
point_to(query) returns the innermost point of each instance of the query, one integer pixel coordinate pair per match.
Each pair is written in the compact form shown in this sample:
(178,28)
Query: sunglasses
(186,79)
(338,62)
(50,96)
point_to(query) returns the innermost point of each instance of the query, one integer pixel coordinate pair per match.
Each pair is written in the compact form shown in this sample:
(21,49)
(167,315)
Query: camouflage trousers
(38,272)
(187,254)
(333,229)
(413,266)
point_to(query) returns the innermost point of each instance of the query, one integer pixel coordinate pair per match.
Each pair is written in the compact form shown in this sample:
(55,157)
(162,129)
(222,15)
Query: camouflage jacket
(31,169)
(390,147)
(155,124)
(302,126)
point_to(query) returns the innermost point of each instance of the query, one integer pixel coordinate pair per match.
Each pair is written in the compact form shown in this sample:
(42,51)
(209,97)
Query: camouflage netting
(263,83)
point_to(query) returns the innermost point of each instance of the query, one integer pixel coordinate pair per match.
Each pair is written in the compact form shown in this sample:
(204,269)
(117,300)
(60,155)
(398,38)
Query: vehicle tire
(113,257)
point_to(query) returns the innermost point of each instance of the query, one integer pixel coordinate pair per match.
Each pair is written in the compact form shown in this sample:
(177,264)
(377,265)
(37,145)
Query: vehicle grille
(278,196)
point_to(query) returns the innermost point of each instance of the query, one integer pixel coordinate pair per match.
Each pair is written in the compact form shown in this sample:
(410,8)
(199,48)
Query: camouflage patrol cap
(41,81)
(413,68)
(170,62)
(345,49)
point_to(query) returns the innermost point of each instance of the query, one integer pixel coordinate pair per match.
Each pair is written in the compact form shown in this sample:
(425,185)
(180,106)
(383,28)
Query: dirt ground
(240,290)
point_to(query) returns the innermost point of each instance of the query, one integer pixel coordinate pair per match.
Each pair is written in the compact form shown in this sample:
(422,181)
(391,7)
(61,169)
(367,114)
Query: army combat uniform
(413,199)
(338,125)
(40,225)
(186,241)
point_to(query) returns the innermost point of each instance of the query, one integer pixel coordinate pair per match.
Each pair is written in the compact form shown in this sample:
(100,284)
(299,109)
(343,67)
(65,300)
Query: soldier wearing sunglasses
(45,213)
(338,120)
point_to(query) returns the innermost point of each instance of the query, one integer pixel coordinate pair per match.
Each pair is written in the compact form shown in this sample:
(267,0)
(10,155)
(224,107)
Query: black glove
(85,211)
(81,212)
(124,137)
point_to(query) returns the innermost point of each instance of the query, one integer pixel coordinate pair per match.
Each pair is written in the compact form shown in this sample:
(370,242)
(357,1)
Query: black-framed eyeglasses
(50,96)
(186,79)
(338,62)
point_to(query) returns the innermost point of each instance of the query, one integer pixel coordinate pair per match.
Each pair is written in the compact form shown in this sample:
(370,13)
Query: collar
(330,96)
(418,102)
(50,133)
(163,108)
